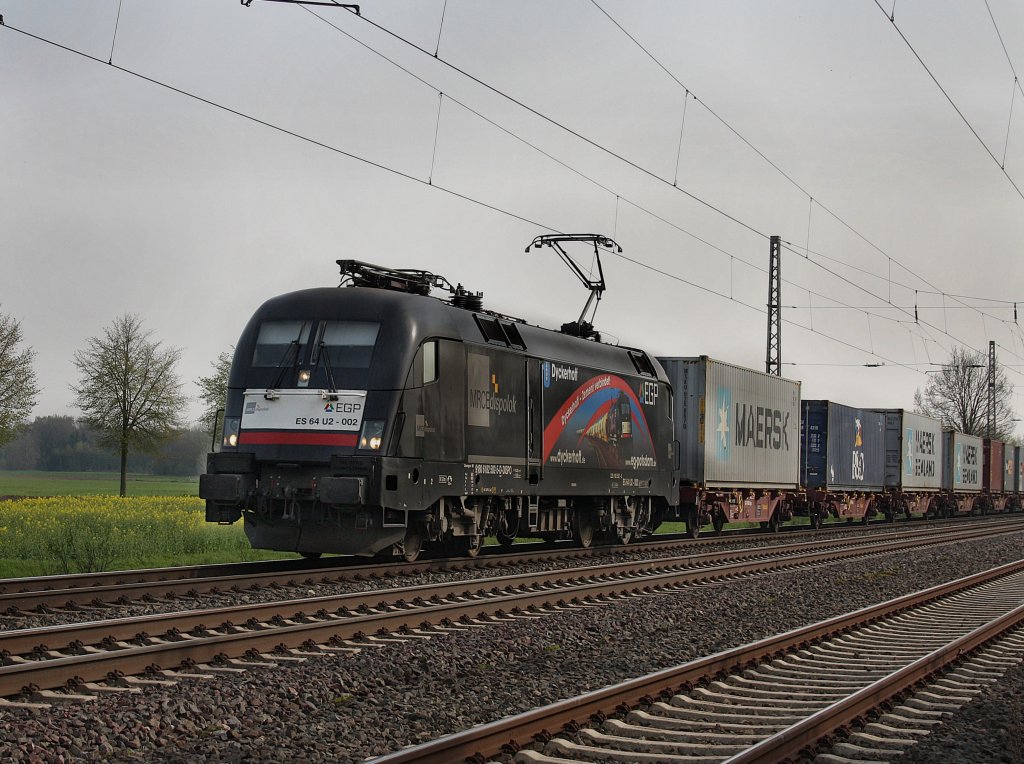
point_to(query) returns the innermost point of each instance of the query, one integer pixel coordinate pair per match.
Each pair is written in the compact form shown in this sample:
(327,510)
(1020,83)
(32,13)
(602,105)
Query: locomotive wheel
(585,528)
(717,521)
(508,528)
(623,535)
(412,544)
(467,546)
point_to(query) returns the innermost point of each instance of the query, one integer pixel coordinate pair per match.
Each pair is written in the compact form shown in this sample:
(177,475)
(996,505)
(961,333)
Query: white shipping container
(913,451)
(962,463)
(736,427)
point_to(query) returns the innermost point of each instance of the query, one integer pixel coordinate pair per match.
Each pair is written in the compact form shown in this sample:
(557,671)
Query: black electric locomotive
(375,419)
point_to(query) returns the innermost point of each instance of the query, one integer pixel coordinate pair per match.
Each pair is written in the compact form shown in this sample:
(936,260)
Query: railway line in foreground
(891,671)
(76,655)
(122,587)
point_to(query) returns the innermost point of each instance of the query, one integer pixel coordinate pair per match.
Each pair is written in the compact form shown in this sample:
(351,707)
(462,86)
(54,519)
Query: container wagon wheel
(311,555)
(774,523)
(816,520)
(585,527)
(692,523)
(718,521)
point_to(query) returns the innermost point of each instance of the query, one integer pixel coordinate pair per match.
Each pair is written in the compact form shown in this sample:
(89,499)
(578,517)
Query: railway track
(23,595)
(37,659)
(859,687)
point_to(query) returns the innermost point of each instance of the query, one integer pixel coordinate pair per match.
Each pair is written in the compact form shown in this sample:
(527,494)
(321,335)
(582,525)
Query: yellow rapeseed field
(89,533)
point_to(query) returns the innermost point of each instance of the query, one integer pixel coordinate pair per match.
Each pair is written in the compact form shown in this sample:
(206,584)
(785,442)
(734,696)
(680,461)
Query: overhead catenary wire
(405,175)
(952,103)
(574,170)
(811,200)
(602,148)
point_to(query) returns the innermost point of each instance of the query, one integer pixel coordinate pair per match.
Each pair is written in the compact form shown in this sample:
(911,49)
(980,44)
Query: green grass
(39,483)
(43,536)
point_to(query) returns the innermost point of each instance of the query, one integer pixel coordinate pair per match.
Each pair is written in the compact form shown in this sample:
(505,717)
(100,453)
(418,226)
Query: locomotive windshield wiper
(331,386)
(293,348)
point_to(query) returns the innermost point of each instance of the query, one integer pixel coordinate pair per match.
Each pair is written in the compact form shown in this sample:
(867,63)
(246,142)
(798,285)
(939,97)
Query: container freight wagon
(913,463)
(999,477)
(842,461)
(1018,479)
(962,472)
(1010,467)
(739,443)
(1018,484)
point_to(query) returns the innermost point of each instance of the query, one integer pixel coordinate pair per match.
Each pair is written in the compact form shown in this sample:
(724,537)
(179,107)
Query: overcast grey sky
(120,195)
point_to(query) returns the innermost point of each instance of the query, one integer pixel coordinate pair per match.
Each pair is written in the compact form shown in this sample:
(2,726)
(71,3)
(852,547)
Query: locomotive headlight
(372,435)
(232,424)
(304,378)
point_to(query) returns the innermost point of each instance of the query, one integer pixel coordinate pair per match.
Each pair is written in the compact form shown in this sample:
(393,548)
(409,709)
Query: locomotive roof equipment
(355,273)
(581,327)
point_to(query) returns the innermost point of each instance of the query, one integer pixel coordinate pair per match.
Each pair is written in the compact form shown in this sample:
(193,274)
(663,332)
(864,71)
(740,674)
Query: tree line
(130,397)
(132,403)
(63,444)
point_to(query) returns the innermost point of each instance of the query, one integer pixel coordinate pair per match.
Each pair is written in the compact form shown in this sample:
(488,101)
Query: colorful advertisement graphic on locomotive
(913,451)
(842,448)
(962,462)
(735,426)
(596,419)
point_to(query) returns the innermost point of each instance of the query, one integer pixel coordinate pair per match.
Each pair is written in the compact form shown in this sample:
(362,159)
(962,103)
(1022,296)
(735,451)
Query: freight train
(376,419)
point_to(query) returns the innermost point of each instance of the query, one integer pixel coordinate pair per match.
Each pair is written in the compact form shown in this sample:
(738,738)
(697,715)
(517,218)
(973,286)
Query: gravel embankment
(348,708)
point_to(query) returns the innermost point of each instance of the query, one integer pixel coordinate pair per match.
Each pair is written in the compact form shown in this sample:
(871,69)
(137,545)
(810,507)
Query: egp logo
(546,373)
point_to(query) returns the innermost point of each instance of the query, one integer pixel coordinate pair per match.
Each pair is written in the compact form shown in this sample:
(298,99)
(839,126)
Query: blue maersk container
(842,448)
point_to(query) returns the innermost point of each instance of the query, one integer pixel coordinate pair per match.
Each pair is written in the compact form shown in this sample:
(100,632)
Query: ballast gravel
(347,708)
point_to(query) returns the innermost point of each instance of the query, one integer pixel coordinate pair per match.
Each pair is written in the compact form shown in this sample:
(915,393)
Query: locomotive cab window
(425,365)
(280,342)
(429,361)
(347,344)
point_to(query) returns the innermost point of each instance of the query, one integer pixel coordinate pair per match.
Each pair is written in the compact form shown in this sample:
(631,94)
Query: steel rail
(127,591)
(183,578)
(474,600)
(514,732)
(664,572)
(805,734)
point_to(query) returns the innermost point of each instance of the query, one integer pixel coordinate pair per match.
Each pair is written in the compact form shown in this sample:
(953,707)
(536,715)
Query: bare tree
(18,389)
(129,391)
(958,396)
(213,390)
